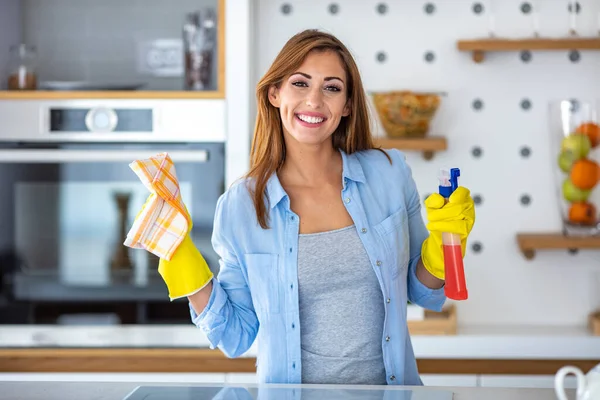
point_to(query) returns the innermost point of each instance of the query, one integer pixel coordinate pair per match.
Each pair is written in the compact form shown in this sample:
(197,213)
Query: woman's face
(313,100)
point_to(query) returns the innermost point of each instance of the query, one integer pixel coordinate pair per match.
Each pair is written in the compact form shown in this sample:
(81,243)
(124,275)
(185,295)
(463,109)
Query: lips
(311,118)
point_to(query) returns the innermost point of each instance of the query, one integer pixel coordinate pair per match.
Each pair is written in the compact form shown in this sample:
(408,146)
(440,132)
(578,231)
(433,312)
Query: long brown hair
(267,153)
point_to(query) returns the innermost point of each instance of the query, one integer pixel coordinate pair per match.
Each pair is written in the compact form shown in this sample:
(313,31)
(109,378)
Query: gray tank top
(341,310)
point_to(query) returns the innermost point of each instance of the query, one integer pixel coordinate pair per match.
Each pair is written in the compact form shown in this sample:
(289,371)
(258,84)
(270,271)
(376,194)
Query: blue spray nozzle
(448,181)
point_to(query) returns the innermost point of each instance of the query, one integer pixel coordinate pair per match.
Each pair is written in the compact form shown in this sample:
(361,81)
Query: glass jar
(22,74)
(199,41)
(575,141)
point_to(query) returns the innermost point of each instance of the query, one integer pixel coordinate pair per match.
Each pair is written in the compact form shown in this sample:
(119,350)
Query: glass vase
(575,142)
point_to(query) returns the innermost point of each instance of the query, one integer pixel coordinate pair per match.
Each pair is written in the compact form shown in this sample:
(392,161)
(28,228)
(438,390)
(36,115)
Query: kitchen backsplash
(104,41)
(10,22)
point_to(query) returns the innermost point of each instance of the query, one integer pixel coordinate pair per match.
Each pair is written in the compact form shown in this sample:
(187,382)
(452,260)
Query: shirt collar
(351,170)
(275,191)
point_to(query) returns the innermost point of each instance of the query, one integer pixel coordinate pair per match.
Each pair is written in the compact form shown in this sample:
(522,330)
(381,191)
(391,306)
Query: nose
(314,98)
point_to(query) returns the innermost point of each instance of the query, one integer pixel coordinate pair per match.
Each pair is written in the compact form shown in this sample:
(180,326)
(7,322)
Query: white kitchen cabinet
(239,377)
(524,381)
(449,380)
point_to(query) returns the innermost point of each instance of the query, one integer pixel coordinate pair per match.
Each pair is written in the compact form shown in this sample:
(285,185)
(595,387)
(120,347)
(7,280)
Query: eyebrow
(327,78)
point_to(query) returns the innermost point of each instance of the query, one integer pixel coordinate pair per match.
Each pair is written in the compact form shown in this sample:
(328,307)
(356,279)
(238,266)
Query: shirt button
(364,230)
(292,287)
(388,300)
(293,365)
(292,218)
(387,338)
(293,325)
(347,199)
(392,378)
(378,263)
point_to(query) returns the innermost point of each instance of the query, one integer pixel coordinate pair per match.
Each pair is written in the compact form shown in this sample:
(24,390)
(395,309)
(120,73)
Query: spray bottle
(455,286)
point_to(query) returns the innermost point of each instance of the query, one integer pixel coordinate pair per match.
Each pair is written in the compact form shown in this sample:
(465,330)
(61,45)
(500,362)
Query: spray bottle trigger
(454,174)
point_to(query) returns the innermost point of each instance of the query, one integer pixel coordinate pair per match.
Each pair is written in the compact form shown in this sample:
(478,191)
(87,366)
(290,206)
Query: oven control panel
(101,119)
(114,120)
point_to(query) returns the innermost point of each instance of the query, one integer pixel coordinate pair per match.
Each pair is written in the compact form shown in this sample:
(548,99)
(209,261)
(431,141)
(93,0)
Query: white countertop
(119,390)
(470,342)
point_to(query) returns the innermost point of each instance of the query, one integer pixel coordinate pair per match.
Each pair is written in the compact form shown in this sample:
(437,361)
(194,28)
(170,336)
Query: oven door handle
(86,156)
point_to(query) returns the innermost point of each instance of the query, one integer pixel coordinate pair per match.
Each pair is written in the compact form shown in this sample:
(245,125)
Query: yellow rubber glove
(455,216)
(187,272)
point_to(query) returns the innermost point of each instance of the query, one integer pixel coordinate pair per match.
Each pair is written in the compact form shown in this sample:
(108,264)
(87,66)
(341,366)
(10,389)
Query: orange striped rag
(164,221)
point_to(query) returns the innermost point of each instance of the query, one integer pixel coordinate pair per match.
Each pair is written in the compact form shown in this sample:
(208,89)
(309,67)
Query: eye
(299,83)
(333,88)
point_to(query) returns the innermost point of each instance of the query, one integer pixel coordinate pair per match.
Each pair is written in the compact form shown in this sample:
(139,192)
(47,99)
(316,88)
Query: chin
(310,139)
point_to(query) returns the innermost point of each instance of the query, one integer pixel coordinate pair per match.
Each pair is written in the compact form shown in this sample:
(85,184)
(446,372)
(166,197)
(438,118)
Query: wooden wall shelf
(480,46)
(530,242)
(428,145)
(111,94)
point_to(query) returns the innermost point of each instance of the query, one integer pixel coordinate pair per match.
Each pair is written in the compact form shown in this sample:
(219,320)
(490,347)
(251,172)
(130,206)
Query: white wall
(556,287)
(239,36)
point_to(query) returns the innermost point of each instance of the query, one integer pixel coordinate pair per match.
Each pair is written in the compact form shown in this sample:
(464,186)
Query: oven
(69,198)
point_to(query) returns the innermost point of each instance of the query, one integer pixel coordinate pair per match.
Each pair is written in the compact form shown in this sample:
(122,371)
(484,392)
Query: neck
(311,165)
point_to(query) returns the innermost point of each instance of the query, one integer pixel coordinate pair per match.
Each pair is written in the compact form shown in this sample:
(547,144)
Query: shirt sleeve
(418,293)
(228,320)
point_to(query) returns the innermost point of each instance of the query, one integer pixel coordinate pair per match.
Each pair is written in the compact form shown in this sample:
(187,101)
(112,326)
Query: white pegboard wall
(495,119)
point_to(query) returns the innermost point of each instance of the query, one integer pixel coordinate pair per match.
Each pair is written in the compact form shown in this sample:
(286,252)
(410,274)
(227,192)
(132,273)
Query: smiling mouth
(309,119)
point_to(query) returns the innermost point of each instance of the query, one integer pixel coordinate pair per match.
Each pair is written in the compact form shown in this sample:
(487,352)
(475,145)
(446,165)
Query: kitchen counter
(119,390)
(185,349)
(470,342)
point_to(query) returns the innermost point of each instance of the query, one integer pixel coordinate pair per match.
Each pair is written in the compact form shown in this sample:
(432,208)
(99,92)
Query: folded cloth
(164,221)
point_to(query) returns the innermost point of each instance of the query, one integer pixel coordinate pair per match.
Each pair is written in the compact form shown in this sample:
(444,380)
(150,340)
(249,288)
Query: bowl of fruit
(576,139)
(405,113)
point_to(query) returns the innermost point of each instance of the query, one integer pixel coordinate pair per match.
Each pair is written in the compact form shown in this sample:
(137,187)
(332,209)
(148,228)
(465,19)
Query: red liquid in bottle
(455,287)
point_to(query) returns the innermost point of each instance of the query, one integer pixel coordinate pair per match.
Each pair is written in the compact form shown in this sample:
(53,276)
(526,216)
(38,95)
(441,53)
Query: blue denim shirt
(255,295)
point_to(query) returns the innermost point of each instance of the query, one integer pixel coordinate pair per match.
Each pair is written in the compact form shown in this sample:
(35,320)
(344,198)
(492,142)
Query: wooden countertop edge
(192,360)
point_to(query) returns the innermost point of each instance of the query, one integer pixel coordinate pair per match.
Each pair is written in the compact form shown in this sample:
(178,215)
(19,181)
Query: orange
(585,174)
(591,130)
(582,213)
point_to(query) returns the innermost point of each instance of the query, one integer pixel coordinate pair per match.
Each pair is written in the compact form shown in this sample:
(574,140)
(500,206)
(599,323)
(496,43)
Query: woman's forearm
(427,278)
(199,300)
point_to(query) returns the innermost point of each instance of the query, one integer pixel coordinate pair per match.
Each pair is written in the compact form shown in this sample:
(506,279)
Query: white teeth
(310,120)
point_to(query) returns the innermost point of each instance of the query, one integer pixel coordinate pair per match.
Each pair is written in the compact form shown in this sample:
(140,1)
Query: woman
(323,243)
